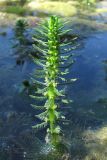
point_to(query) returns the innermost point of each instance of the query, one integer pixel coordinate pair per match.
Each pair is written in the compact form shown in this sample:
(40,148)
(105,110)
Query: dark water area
(90,69)
(89,95)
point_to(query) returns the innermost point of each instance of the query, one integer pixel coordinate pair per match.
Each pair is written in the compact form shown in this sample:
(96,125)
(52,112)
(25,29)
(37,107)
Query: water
(15,111)
(87,112)
(90,71)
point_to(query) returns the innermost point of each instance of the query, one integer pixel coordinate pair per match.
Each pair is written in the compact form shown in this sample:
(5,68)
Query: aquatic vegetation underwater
(20,28)
(51,76)
(21,43)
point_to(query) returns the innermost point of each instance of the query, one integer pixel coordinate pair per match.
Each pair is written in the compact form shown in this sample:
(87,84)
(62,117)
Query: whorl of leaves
(22,45)
(53,66)
(20,28)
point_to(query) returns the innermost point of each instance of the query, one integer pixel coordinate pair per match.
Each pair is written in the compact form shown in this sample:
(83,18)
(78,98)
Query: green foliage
(53,66)
(20,29)
(22,49)
(19,10)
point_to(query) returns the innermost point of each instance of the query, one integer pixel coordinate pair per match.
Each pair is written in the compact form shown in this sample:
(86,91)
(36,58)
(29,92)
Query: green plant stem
(52,68)
(49,48)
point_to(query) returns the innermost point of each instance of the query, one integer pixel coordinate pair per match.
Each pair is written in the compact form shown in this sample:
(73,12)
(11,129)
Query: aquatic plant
(21,44)
(3,33)
(20,41)
(20,29)
(50,77)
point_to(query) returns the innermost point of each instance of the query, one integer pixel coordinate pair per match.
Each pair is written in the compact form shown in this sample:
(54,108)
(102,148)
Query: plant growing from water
(20,40)
(22,44)
(20,29)
(53,66)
